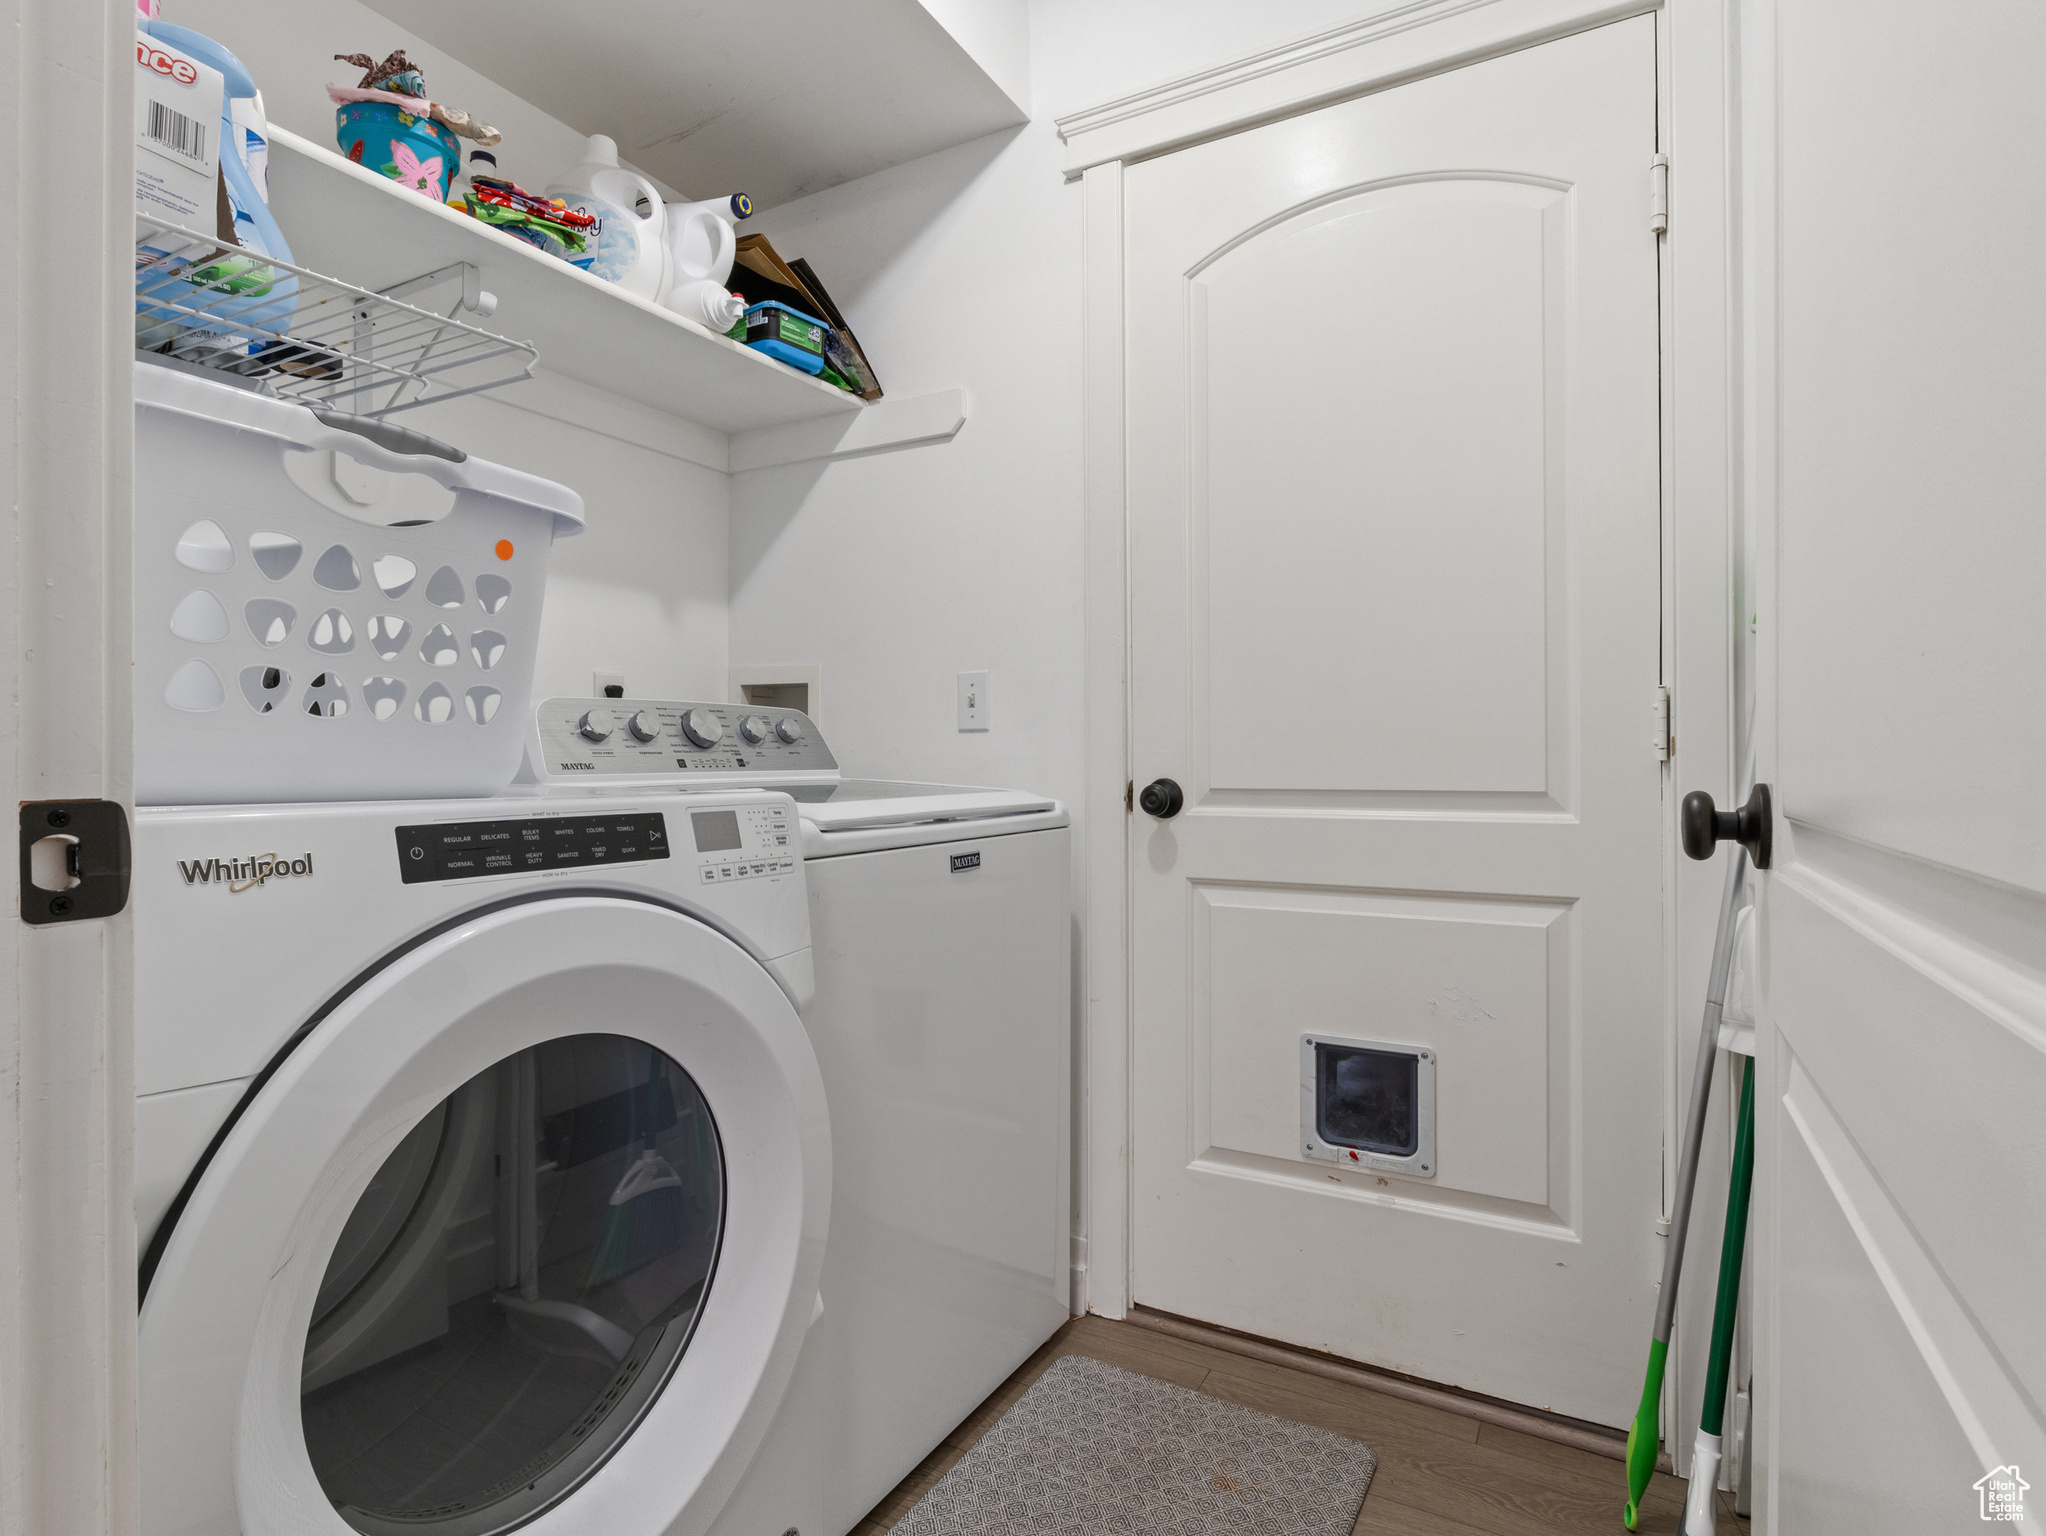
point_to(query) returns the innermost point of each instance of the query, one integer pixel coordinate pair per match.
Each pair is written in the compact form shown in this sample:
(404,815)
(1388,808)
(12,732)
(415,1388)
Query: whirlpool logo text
(247,874)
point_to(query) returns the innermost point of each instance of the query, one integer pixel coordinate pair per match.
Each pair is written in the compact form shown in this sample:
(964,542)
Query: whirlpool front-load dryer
(940,923)
(483,1165)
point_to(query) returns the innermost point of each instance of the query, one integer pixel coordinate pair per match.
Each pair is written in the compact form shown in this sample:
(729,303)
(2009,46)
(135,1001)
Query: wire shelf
(290,332)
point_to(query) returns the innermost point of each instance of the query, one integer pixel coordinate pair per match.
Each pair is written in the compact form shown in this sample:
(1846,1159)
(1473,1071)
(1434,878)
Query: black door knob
(1703,825)
(1161,798)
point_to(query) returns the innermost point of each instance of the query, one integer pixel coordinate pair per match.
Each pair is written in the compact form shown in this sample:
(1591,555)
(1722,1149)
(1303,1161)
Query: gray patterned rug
(1091,1450)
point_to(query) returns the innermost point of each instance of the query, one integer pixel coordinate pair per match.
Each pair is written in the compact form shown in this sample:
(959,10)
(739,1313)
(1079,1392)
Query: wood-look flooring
(1439,1473)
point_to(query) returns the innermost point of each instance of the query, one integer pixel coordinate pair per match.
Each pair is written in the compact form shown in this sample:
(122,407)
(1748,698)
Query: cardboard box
(178,104)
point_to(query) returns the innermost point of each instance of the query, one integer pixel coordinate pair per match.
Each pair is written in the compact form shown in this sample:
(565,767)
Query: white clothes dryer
(940,921)
(483,1164)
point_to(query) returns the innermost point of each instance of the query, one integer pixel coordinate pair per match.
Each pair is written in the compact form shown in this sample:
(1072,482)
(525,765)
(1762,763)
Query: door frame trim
(67,1298)
(1397,44)
(1704,527)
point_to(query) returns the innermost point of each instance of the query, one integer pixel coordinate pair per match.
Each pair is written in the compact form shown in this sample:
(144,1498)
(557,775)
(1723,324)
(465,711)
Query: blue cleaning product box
(785,333)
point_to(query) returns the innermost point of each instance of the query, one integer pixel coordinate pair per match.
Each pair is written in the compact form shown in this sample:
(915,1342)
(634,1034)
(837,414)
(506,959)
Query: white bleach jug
(701,245)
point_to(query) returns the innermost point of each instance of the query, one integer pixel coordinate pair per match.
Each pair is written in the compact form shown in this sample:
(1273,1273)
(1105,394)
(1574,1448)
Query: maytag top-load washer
(483,1164)
(941,939)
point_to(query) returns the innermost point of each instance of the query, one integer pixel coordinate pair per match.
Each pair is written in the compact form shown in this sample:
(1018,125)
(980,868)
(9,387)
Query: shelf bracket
(475,297)
(886,424)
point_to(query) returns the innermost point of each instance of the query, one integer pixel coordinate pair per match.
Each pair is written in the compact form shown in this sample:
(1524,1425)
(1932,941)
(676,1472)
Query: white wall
(1087,52)
(897,571)
(643,590)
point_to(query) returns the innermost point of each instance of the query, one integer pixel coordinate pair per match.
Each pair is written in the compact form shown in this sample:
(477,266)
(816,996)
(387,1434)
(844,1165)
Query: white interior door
(1392,395)
(1900,467)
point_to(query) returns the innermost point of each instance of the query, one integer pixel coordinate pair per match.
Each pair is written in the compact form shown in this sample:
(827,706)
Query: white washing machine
(483,1166)
(941,933)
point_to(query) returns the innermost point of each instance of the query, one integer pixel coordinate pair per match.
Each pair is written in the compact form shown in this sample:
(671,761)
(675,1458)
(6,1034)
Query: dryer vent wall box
(619,1190)
(780,685)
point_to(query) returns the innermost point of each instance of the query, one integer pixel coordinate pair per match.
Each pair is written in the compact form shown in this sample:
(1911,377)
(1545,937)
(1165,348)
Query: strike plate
(86,844)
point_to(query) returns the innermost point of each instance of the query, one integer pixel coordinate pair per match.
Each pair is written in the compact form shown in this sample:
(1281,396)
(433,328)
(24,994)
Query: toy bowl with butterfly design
(410,148)
(327,607)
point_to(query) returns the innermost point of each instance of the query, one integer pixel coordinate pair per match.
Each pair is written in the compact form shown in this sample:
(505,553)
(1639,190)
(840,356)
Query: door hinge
(74,860)
(1664,746)
(1658,194)
(1129,795)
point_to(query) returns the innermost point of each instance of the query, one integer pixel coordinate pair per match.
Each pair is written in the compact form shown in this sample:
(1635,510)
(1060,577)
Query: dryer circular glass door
(524,1230)
(514,1286)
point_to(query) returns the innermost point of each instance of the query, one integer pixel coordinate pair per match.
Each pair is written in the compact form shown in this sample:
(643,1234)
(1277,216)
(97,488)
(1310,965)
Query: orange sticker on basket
(504,549)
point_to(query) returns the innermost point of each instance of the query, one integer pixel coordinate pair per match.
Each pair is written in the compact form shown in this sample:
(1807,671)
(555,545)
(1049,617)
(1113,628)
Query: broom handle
(1701,1094)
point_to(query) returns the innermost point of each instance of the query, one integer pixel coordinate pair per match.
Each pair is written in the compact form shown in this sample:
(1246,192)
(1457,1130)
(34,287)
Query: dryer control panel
(745,842)
(733,842)
(610,739)
(463,850)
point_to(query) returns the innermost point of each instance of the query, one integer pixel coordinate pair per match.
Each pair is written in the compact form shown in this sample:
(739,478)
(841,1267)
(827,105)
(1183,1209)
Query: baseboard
(1595,1438)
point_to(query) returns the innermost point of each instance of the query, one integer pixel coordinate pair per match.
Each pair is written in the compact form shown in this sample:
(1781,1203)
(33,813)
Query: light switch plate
(973,713)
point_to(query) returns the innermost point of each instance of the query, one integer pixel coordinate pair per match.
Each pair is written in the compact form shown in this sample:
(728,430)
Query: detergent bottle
(244,170)
(701,245)
(629,249)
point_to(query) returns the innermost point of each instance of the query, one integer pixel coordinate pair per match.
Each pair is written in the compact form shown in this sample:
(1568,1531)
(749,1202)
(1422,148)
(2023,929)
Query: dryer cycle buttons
(466,850)
(744,869)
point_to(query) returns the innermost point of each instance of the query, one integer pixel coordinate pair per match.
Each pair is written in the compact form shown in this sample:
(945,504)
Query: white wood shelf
(363,228)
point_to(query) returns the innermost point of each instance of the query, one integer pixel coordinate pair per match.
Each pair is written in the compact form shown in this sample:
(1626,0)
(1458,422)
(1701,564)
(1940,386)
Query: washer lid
(859,803)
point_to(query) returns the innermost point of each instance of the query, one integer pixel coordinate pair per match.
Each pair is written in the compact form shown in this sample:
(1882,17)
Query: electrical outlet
(973,701)
(607,685)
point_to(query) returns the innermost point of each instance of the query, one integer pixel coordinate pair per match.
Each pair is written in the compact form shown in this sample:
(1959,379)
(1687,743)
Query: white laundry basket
(287,651)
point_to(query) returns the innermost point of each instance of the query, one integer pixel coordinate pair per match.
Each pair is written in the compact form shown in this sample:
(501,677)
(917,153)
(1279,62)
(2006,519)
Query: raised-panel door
(1395,615)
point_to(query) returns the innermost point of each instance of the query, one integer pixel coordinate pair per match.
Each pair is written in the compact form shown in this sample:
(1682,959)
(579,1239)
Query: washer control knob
(596,725)
(789,729)
(703,728)
(644,726)
(754,728)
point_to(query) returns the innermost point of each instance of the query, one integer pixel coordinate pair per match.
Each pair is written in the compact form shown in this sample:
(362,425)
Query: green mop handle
(1730,1258)
(1644,1438)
